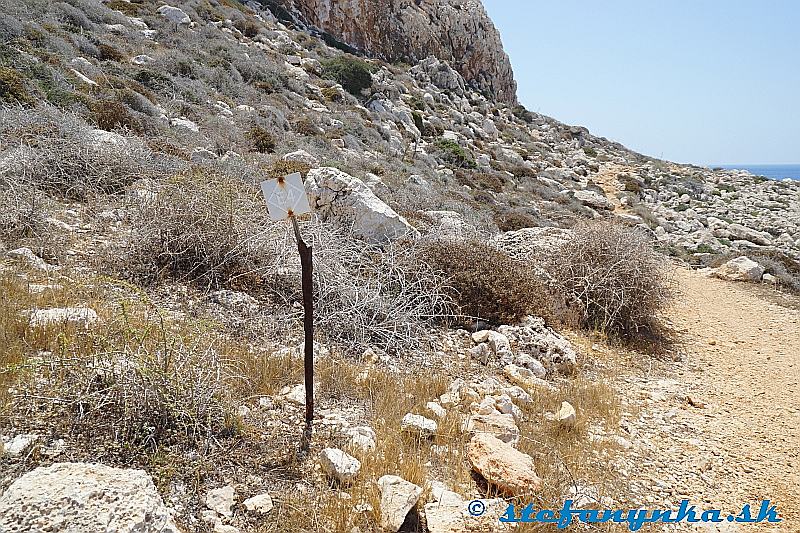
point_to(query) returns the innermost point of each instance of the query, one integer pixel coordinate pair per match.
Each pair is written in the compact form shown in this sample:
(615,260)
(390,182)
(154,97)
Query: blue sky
(692,81)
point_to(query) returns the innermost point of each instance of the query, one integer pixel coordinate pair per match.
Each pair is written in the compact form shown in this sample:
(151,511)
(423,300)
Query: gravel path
(723,428)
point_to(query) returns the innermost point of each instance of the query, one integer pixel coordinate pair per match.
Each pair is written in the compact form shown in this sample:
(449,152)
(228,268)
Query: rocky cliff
(458,31)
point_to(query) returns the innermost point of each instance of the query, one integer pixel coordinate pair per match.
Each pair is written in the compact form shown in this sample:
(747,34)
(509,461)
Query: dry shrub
(248,27)
(201,227)
(164,393)
(110,53)
(23,212)
(370,296)
(59,154)
(613,277)
(486,282)
(492,181)
(515,220)
(260,139)
(134,380)
(284,168)
(306,126)
(110,115)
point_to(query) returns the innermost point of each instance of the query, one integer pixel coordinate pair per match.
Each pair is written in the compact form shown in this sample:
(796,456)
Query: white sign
(285,197)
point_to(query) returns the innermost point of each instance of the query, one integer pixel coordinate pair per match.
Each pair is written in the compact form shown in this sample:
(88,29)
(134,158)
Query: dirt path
(743,355)
(738,439)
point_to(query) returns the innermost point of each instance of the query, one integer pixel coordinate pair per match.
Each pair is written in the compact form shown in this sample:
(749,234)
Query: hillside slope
(150,310)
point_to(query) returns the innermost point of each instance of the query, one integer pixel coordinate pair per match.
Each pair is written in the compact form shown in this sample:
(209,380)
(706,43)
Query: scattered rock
(740,269)
(362,438)
(525,378)
(80,497)
(174,14)
(398,497)
(339,465)
(347,201)
(142,59)
(27,255)
(185,124)
(449,516)
(77,316)
(234,300)
(219,527)
(201,155)
(221,500)
(295,394)
(437,410)
(501,465)
(17,445)
(501,426)
(261,503)
(593,199)
(566,415)
(301,156)
(418,426)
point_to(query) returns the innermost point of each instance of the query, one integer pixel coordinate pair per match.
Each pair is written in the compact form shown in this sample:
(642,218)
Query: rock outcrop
(79,497)
(457,31)
(345,200)
(508,469)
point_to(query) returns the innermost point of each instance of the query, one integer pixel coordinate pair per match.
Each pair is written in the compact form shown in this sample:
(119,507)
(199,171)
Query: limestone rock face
(457,31)
(80,497)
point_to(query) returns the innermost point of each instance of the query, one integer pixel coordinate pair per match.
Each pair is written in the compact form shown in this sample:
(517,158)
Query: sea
(775,172)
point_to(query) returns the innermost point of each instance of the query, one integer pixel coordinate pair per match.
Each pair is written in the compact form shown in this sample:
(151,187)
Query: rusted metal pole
(307,268)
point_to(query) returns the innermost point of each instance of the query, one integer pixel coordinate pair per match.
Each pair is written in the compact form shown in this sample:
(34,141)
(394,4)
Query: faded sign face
(285,197)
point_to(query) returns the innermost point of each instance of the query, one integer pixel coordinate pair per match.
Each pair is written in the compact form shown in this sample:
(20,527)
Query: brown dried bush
(612,277)
(284,168)
(260,139)
(111,114)
(485,282)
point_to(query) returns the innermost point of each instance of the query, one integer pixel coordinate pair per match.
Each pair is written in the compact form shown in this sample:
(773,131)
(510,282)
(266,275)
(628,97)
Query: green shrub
(704,249)
(451,152)
(591,152)
(260,139)
(485,282)
(418,121)
(12,88)
(523,114)
(351,73)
